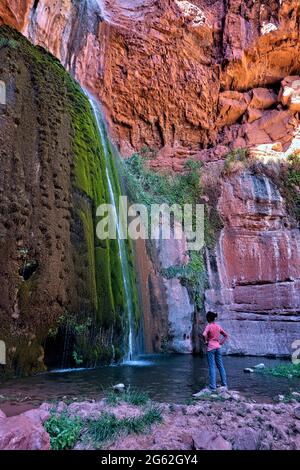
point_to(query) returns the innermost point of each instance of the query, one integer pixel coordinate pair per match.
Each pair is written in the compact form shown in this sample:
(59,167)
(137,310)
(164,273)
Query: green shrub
(64,431)
(149,187)
(236,159)
(290,185)
(290,397)
(294,169)
(191,272)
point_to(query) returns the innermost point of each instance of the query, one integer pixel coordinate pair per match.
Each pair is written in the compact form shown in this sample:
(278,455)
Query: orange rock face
(158,65)
(15,13)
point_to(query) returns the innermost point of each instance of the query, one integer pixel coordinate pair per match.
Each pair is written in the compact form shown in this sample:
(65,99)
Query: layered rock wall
(254,272)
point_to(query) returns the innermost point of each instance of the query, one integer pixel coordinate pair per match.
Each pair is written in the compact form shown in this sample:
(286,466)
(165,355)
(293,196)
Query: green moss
(101,282)
(106,302)
(10,43)
(87,221)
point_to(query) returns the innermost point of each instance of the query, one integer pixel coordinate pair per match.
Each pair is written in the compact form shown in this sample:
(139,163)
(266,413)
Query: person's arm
(225,336)
(205,335)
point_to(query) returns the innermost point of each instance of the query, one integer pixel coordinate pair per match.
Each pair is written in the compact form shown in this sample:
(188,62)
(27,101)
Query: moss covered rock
(69,307)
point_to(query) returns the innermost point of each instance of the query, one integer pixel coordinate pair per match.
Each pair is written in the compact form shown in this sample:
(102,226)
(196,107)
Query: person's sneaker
(205,391)
(223,389)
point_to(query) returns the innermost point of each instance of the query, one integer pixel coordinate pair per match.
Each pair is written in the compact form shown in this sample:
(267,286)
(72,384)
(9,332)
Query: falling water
(121,243)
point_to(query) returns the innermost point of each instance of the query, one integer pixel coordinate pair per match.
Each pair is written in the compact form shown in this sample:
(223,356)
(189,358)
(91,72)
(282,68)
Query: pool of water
(167,378)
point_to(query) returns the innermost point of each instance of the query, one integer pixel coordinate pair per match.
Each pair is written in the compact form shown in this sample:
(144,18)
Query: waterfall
(121,242)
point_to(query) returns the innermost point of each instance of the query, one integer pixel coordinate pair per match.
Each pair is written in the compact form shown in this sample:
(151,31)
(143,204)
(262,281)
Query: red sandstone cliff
(158,65)
(195,79)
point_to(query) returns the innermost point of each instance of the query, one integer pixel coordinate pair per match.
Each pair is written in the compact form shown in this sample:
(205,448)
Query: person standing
(212,337)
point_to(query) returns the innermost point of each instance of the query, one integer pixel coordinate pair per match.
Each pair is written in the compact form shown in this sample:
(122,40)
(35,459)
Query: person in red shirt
(212,334)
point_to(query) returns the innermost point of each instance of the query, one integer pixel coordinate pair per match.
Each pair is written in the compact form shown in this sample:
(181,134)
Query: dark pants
(214,358)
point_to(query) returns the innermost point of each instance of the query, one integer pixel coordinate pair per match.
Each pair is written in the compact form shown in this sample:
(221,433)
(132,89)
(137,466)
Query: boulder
(39,416)
(246,439)
(290,93)
(209,440)
(253,114)
(23,433)
(273,126)
(119,388)
(262,98)
(232,105)
(277,147)
(297,412)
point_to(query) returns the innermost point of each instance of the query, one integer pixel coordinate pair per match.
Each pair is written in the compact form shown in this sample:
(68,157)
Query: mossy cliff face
(56,277)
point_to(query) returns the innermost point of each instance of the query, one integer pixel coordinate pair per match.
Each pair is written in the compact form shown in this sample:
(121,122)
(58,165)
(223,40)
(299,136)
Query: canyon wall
(158,66)
(195,80)
(254,272)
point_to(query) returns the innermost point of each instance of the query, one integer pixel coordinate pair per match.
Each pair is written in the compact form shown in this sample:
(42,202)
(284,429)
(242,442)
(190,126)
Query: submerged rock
(119,388)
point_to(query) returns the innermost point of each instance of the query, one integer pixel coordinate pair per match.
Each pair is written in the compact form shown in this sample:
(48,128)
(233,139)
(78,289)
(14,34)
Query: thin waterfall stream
(132,352)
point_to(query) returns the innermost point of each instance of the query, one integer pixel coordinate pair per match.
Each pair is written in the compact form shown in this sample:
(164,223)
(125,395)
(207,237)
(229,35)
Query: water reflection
(172,378)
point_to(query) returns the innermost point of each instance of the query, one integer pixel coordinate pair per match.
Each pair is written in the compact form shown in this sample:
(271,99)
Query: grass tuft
(132,397)
(282,370)
(108,426)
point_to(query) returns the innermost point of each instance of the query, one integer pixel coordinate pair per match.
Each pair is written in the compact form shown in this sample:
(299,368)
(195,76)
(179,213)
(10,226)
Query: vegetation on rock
(109,427)
(64,431)
(92,280)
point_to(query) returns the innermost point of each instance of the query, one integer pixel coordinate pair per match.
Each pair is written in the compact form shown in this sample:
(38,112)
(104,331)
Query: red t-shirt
(212,333)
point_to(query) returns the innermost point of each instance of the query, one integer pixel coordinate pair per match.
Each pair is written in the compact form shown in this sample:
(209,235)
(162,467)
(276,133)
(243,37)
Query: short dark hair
(211,316)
